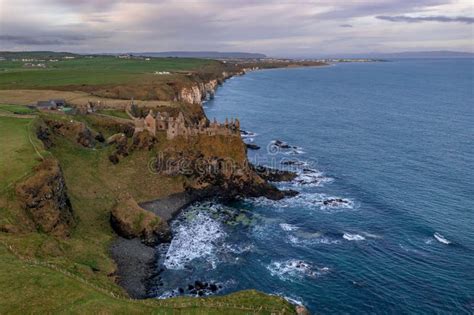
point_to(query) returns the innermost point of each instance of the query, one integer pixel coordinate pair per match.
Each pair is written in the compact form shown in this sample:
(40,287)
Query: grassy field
(99,70)
(16,109)
(76,275)
(114,113)
(74,98)
(18,154)
(35,287)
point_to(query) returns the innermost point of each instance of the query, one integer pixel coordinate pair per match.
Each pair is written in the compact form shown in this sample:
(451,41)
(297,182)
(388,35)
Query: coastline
(136,262)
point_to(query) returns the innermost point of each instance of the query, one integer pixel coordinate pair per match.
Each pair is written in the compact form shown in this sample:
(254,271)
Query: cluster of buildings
(34,65)
(51,104)
(178,126)
(130,56)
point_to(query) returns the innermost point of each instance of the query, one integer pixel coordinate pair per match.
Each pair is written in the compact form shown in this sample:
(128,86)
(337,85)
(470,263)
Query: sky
(273,27)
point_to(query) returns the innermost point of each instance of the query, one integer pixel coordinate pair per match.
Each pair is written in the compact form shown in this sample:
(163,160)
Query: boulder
(116,138)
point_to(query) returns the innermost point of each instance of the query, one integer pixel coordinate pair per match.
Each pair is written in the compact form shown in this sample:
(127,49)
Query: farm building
(51,104)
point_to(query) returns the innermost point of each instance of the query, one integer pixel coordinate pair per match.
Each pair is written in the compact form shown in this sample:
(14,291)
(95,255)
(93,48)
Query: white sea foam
(295,269)
(167,294)
(303,242)
(292,300)
(440,238)
(239,249)
(311,178)
(353,237)
(370,235)
(197,237)
(296,163)
(248,134)
(294,151)
(308,201)
(288,227)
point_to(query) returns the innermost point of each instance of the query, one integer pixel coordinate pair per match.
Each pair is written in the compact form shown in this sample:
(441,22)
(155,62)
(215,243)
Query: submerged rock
(274,175)
(335,202)
(252,146)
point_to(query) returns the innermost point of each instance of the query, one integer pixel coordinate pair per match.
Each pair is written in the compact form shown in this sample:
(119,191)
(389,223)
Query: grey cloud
(268,26)
(43,41)
(370,8)
(438,18)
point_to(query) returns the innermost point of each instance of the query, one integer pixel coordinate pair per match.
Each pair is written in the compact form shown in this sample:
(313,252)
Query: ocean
(384,222)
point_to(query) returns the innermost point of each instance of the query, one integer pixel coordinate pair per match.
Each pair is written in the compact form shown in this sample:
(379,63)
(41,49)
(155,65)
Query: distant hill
(427,54)
(406,55)
(35,54)
(202,54)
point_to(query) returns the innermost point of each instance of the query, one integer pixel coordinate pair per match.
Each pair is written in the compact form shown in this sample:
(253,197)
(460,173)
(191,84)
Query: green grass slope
(43,274)
(18,153)
(98,70)
(30,286)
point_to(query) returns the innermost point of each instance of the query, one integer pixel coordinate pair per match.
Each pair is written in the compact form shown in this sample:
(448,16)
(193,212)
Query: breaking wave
(309,201)
(440,238)
(247,134)
(304,241)
(294,269)
(353,237)
(288,227)
(196,237)
(311,178)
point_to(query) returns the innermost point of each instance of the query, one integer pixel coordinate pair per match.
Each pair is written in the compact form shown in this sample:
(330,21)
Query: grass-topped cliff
(153,79)
(70,184)
(71,271)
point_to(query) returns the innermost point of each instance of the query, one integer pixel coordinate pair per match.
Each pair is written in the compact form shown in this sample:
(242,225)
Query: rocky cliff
(215,165)
(203,88)
(44,197)
(129,220)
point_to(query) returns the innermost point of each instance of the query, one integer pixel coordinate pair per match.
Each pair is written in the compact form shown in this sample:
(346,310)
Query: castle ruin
(178,126)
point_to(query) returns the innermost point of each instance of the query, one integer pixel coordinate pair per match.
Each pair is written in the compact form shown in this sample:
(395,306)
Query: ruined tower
(150,123)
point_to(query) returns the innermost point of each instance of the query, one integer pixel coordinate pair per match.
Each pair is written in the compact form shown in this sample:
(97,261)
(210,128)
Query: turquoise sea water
(394,141)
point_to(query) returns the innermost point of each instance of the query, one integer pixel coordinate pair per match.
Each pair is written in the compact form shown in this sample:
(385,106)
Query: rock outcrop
(274,175)
(129,220)
(191,95)
(143,141)
(76,131)
(201,89)
(216,166)
(44,197)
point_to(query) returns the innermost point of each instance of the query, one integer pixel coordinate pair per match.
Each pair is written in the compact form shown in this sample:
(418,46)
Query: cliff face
(210,88)
(191,95)
(45,199)
(202,89)
(215,165)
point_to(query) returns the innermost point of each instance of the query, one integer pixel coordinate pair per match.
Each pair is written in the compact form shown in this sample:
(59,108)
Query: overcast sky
(276,28)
